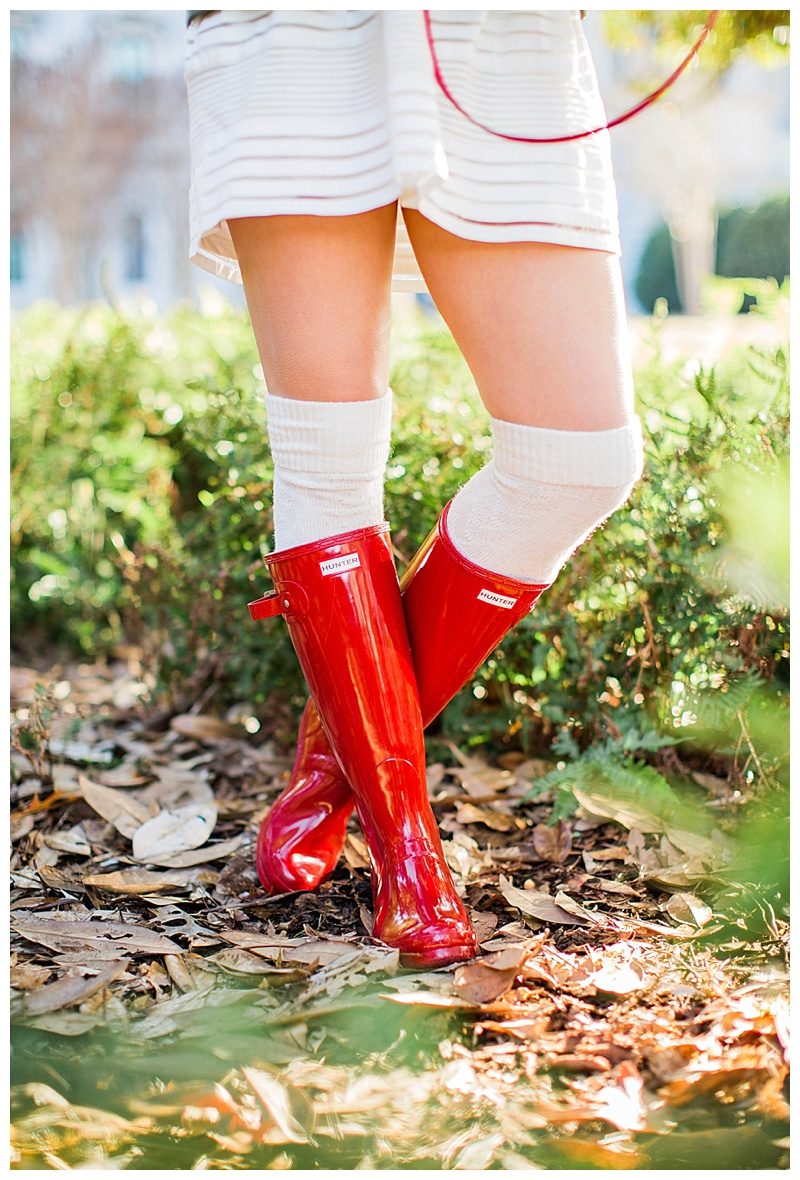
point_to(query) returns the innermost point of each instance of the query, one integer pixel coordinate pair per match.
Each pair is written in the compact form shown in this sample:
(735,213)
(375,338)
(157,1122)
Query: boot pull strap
(291,601)
(266,607)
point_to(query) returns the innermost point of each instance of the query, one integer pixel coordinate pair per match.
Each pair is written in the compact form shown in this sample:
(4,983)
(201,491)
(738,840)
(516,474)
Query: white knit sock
(541,495)
(330,459)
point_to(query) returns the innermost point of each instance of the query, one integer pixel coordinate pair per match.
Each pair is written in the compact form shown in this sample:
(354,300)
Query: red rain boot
(342,604)
(456,614)
(300,840)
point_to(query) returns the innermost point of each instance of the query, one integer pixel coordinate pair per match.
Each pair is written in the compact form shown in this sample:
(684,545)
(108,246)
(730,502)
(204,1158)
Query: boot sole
(438,956)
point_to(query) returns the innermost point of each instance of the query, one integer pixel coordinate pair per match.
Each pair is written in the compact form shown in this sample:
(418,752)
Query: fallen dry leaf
(82,1121)
(188,972)
(167,1016)
(73,988)
(483,924)
(295,950)
(21,826)
(577,910)
(636,816)
(71,840)
(136,881)
(178,830)
(538,967)
(715,849)
(538,905)
(355,852)
(614,852)
(619,979)
(203,728)
(476,776)
(242,962)
(27,975)
(65,933)
(553,843)
(660,928)
(122,810)
(428,999)
(719,787)
(613,887)
(198,856)
(62,879)
(434,773)
(687,907)
(676,875)
(625,812)
(124,775)
(486,979)
(66,1024)
(468,813)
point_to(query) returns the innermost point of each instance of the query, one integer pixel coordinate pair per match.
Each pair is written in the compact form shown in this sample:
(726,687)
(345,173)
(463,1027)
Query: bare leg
(542,327)
(318,293)
(543,331)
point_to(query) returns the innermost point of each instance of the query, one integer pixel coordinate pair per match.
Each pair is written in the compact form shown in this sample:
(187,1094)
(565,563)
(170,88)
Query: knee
(542,494)
(323,380)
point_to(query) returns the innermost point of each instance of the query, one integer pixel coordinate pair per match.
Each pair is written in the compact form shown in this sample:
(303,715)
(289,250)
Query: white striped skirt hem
(332,113)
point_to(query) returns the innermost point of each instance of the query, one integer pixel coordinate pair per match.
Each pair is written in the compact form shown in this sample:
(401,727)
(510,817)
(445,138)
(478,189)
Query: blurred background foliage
(141,506)
(749,241)
(760,32)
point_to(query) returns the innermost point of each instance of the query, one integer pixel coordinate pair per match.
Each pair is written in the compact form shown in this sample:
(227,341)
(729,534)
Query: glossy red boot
(301,838)
(342,604)
(456,615)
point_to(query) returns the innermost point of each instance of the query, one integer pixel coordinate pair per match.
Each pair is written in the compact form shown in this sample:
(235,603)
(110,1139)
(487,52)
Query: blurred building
(100,155)
(100,158)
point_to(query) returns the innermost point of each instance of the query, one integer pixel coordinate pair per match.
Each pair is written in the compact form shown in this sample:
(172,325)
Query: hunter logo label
(338,565)
(496,599)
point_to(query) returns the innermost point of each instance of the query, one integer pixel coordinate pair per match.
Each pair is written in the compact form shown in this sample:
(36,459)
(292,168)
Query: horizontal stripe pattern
(337,112)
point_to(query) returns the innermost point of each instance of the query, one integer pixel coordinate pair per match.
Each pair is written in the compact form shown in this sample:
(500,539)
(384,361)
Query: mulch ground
(169,1015)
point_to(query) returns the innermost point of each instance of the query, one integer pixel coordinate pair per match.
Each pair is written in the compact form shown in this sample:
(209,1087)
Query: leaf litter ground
(169,1015)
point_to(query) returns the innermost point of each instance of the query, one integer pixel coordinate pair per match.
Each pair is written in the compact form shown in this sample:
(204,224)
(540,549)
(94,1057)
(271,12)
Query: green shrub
(656,278)
(751,243)
(141,505)
(754,243)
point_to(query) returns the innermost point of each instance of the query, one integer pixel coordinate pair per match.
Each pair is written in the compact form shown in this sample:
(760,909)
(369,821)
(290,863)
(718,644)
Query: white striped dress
(337,112)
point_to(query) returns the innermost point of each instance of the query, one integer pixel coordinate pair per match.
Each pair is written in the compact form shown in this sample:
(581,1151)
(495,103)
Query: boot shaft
(341,601)
(456,614)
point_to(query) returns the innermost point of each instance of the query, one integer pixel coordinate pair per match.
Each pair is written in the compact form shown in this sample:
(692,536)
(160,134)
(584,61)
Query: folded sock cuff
(330,437)
(582,458)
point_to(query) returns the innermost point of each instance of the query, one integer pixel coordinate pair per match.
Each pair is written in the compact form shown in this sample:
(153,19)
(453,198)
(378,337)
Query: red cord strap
(634,110)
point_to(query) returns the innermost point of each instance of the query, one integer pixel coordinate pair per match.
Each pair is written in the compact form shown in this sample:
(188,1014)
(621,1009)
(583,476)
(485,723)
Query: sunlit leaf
(686,907)
(538,905)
